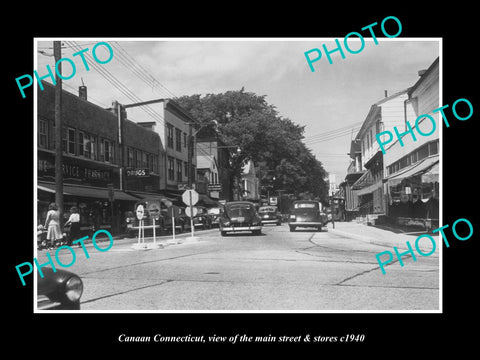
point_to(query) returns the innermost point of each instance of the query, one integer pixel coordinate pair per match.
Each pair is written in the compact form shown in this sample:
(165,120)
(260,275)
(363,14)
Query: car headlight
(74,288)
(292,217)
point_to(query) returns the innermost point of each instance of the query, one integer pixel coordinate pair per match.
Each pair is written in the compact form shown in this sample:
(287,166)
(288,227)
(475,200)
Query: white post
(191,216)
(154,239)
(173,224)
(139,230)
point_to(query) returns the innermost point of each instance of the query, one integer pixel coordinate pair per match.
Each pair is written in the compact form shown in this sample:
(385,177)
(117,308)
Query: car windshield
(267,209)
(306,205)
(239,209)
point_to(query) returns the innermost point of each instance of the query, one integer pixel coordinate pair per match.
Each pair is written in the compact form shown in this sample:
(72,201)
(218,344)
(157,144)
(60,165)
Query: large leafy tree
(274,143)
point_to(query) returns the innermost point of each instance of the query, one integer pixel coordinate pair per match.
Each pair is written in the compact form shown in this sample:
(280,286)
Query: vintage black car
(306,213)
(60,290)
(239,216)
(270,215)
(203,219)
(215,213)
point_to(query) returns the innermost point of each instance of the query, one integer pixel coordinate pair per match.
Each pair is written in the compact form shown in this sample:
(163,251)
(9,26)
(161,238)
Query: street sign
(190,197)
(154,209)
(194,210)
(140,211)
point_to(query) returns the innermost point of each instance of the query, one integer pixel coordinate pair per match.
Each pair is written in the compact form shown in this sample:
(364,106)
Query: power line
(145,74)
(119,85)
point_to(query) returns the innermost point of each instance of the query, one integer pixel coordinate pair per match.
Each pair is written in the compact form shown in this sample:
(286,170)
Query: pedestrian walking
(74,222)
(52,223)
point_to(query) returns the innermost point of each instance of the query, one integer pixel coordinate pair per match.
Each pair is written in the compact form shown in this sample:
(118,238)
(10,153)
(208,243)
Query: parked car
(307,213)
(215,213)
(239,216)
(181,219)
(270,215)
(60,290)
(202,219)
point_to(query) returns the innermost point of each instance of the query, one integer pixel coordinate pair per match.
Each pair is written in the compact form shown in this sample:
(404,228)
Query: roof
(424,76)
(375,111)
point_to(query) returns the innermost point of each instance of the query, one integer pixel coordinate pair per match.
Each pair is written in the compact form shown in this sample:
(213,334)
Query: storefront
(413,192)
(90,186)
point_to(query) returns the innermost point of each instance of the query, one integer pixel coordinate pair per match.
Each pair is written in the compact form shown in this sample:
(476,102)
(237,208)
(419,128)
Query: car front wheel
(292,228)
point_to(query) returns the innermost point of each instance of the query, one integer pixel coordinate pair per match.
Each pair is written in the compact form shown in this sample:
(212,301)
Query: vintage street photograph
(224,175)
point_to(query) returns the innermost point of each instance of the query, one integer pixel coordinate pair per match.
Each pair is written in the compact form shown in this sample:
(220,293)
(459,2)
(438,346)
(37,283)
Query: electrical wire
(119,85)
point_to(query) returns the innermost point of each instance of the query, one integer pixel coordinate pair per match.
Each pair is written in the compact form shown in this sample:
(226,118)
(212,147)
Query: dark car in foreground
(270,215)
(60,290)
(239,216)
(306,213)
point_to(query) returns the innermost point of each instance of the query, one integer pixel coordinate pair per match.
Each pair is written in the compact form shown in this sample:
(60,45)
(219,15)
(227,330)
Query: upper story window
(178,139)
(71,141)
(42,134)
(107,151)
(170,136)
(171,169)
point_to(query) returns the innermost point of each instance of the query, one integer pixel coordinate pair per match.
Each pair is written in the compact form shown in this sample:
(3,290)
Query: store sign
(46,168)
(137,172)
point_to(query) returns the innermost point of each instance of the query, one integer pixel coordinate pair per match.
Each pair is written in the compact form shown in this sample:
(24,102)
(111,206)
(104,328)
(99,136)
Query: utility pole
(189,158)
(57,53)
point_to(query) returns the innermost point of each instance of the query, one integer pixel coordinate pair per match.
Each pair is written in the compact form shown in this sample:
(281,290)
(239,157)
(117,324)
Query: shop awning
(369,189)
(152,196)
(86,191)
(427,165)
(207,201)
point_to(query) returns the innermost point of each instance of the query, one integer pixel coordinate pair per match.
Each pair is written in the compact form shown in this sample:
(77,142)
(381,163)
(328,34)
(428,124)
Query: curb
(398,240)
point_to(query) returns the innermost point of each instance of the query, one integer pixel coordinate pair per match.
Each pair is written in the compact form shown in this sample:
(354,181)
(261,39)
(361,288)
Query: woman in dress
(52,223)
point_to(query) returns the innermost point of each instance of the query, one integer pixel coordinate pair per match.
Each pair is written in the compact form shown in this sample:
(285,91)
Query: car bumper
(44,303)
(241,228)
(306,223)
(270,221)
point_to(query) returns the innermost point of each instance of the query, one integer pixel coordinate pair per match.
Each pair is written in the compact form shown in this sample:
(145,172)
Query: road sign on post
(190,198)
(189,210)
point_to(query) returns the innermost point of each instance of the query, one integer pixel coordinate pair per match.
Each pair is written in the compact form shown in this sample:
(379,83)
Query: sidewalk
(161,240)
(382,235)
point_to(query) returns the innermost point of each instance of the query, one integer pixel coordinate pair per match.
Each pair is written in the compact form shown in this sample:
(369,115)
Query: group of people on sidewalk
(54,234)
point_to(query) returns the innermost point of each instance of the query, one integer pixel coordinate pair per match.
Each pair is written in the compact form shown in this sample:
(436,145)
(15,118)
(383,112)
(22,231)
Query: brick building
(93,169)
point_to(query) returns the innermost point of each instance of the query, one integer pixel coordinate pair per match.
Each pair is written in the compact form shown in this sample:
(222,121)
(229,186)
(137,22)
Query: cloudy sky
(331,102)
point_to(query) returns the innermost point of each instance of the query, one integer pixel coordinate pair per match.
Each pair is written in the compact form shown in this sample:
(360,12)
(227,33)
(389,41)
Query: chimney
(421,72)
(82,92)
(386,93)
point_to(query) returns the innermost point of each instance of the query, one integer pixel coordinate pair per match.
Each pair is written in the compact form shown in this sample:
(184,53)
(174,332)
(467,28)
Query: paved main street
(335,269)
